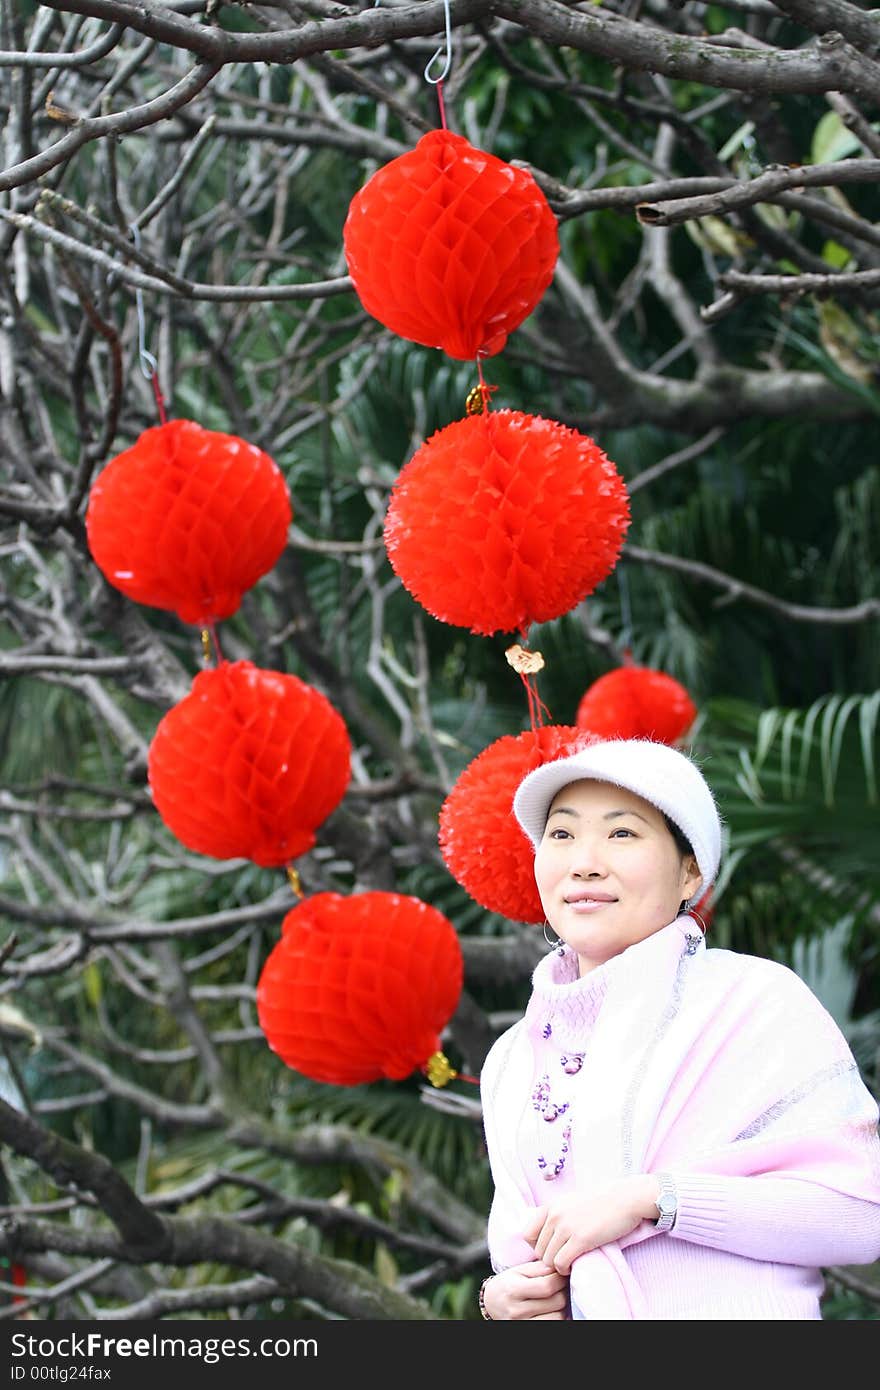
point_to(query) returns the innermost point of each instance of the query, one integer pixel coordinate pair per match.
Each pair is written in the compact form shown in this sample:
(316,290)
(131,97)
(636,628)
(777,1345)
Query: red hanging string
(213,630)
(485,390)
(439,86)
(527,665)
(160,399)
(538,711)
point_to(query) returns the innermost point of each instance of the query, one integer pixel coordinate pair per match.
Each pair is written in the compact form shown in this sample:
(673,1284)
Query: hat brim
(653,771)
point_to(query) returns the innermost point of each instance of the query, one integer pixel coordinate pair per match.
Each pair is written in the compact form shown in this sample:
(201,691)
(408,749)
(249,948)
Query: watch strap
(667,1203)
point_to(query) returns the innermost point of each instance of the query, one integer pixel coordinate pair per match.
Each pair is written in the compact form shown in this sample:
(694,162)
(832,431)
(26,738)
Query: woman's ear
(693,880)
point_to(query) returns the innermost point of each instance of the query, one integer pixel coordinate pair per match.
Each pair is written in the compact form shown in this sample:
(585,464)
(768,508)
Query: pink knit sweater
(721,1069)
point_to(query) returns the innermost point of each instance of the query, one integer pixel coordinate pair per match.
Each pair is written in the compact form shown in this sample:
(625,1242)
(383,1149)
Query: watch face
(666,1205)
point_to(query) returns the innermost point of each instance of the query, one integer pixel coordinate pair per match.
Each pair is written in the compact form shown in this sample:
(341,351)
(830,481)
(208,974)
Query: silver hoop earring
(687,911)
(557,945)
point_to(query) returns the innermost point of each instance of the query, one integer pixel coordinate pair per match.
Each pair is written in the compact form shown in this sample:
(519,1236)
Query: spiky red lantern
(359,988)
(450,247)
(504,519)
(481,842)
(636,702)
(249,764)
(188,519)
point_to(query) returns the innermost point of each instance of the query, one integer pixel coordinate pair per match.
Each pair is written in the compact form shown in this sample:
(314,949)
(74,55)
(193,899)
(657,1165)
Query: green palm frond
(852,565)
(823,962)
(449,1146)
(433,883)
(39,725)
(798,790)
(825,755)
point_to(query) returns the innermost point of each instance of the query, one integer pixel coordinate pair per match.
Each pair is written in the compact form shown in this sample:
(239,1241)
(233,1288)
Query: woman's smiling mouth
(583,900)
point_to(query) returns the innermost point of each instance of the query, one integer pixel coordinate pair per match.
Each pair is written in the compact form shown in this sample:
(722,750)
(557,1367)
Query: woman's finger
(533,1225)
(541,1242)
(554,1283)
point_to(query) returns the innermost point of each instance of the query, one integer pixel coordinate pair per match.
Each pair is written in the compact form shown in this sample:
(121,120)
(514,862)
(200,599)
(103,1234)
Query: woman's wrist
(648,1192)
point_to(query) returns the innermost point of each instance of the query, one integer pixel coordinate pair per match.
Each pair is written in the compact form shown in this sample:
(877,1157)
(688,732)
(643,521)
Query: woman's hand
(562,1230)
(533,1290)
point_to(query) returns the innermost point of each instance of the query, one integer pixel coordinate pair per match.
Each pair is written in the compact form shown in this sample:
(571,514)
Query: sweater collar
(563,1004)
(569,1004)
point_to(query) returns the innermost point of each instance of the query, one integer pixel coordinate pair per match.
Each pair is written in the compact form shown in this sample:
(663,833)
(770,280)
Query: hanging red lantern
(503,519)
(481,841)
(188,519)
(249,764)
(359,988)
(450,247)
(636,702)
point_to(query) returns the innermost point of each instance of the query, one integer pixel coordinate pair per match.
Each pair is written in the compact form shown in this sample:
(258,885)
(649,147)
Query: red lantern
(359,988)
(503,519)
(636,702)
(450,247)
(188,519)
(249,764)
(480,839)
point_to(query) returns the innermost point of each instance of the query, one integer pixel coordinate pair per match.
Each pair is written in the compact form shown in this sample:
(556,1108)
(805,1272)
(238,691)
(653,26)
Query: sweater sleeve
(799,1183)
(775,1217)
(510,1205)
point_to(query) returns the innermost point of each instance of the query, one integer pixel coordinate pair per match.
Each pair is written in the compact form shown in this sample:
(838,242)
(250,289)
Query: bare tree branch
(339,1286)
(99,49)
(144,1231)
(95,127)
(836,282)
(736,589)
(836,16)
(760,189)
(833,66)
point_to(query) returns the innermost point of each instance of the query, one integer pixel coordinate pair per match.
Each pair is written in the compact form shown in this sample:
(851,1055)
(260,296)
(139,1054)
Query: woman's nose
(588,860)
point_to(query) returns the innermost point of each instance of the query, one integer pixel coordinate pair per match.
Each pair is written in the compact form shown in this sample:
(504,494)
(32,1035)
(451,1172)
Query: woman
(673,1132)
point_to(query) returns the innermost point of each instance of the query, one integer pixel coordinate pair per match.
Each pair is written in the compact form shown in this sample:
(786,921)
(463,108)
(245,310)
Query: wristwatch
(667,1203)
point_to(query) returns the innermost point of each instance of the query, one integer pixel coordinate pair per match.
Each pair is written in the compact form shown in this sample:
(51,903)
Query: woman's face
(608,871)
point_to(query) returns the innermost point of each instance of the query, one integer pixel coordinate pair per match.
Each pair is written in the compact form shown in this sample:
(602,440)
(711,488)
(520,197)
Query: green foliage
(788,710)
(843,1305)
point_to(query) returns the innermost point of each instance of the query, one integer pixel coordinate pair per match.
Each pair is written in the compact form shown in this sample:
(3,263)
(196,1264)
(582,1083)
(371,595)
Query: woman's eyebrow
(609,815)
(613,815)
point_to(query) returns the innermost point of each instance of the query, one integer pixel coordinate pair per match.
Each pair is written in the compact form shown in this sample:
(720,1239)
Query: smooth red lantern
(503,519)
(188,519)
(450,247)
(636,702)
(249,764)
(359,988)
(480,839)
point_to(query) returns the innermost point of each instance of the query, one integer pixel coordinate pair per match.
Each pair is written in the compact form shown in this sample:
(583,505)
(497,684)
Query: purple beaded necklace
(551,1110)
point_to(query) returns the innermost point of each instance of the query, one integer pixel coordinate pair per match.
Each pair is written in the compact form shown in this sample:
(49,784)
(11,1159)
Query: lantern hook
(148,363)
(444,51)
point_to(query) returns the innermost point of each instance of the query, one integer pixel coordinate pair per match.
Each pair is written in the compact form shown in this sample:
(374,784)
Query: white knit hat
(660,774)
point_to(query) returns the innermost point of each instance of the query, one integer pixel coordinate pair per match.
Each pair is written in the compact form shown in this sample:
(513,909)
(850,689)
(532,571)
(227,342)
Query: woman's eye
(620,830)
(559,832)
